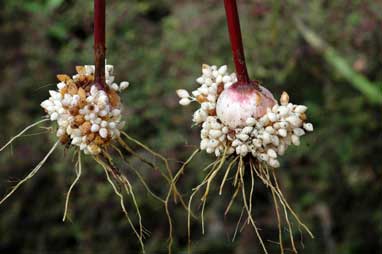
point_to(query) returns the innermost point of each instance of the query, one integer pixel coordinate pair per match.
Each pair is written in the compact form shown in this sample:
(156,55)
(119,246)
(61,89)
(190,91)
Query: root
(216,171)
(107,169)
(140,177)
(155,154)
(181,170)
(232,200)
(22,132)
(226,174)
(251,193)
(278,222)
(238,224)
(128,188)
(31,174)
(266,177)
(289,207)
(78,175)
(169,178)
(216,166)
(269,184)
(256,170)
(250,218)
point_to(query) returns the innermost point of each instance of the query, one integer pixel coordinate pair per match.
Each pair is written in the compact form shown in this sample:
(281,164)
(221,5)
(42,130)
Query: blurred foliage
(333,179)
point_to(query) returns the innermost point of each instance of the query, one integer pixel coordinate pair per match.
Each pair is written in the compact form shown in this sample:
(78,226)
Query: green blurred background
(333,179)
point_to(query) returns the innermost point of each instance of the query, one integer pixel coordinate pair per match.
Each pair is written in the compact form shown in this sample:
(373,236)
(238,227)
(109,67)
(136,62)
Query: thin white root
(21,133)
(216,166)
(169,178)
(290,208)
(238,224)
(122,203)
(140,177)
(128,188)
(78,175)
(250,218)
(226,175)
(278,222)
(268,178)
(31,174)
(181,170)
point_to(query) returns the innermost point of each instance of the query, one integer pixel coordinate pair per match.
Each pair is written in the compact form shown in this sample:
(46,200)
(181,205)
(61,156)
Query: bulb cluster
(87,117)
(265,138)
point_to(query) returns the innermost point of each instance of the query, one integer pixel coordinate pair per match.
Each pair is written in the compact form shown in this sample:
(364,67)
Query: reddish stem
(99,43)
(233,23)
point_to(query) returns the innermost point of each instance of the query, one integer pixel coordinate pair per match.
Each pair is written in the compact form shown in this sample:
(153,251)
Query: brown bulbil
(80,69)
(74,125)
(98,140)
(81,79)
(201,98)
(303,117)
(64,91)
(63,77)
(64,139)
(81,103)
(85,127)
(72,88)
(90,137)
(90,79)
(114,98)
(84,81)
(81,93)
(73,111)
(94,148)
(79,119)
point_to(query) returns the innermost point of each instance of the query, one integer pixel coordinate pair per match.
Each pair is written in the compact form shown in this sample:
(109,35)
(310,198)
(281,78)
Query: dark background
(333,179)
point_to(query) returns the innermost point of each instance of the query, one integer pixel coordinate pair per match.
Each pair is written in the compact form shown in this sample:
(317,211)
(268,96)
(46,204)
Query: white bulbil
(215,133)
(184,101)
(308,126)
(295,140)
(271,153)
(94,128)
(274,163)
(300,109)
(123,85)
(182,93)
(103,132)
(298,132)
(282,132)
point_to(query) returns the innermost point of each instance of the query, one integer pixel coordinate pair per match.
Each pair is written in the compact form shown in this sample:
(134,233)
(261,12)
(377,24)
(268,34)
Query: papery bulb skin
(239,102)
